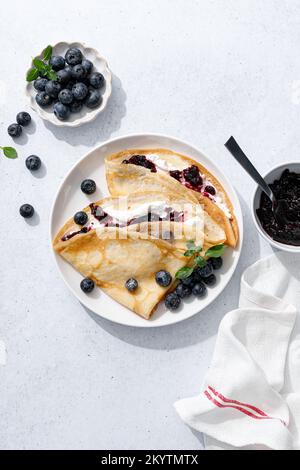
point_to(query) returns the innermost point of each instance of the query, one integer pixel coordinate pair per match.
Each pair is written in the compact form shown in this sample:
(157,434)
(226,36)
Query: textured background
(198,70)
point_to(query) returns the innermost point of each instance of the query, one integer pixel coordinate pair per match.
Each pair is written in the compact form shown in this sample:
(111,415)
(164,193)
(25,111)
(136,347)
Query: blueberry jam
(141,160)
(286,188)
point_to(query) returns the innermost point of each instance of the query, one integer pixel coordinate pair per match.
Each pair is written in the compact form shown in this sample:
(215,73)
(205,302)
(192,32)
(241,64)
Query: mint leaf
(189,253)
(184,272)
(216,251)
(32,75)
(200,261)
(48,53)
(9,152)
(51,75)
(39,64)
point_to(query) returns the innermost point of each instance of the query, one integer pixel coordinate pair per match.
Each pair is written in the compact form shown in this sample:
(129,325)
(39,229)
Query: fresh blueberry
(26,211)
(80,91)
(183,291)
(78,72)
(70,85)
(210,280)
(81,218)
(23,118)
(73,56)
(131,285)
(93,99)
(76,106)
(188,281)
(61,111)
(87,65)
(65,96)
(87,285)
(63,76)
(210,190)
(172,301)
(199,289)
(216,263)
(14,130)
(88,186)
(97,80)
(33,163)
(40,83)
(57,62)
(52,89)
(163,278)
(205,271)
(43,99)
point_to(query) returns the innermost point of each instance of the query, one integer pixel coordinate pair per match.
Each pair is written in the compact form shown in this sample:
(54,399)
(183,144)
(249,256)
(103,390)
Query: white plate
(86,114)
(70,199)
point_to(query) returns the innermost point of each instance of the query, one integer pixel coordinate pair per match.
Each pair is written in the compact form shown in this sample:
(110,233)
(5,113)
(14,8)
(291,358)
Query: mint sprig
(198,260)
(9,152)
(42,67)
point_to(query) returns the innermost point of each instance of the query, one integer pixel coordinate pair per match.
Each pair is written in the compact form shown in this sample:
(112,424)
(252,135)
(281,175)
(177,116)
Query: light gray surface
(198,70)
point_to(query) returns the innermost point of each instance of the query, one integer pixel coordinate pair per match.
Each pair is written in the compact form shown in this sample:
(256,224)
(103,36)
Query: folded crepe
(135,237)
(160,169)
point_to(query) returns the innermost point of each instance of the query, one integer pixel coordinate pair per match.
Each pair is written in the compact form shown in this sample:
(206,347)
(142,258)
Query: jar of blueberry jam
(286,188)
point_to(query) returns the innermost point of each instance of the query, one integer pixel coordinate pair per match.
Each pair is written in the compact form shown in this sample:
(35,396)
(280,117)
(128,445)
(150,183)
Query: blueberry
(88,186)
(172,301)
(40,83)
(97,80)
(199,289)
(192,176)
(80,91)
(26,211)
(65,96)
(23,118)
(61,111)
(57,62)
(52,89)
(87,65)
(81,218)
(205,271)
(216,263)
(210,190)
(183,291)
(210,280)
(78,72)
(70,85)
(188,281)
(163,278)
(76,106)
(73,56)
(63,76)
(33,163)
(131,285)
(93,99)
(14,130)
(87,285)
(43,99)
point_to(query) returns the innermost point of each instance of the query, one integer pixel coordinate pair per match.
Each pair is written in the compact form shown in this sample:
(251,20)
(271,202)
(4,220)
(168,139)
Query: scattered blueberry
(87,285)
(97,80)
(57,62)
(199,289)
(63,76)
(87,65)
(163,278)
(76,106)
(205,271)
(172,301)
(188,281)
(210,190)
(23,118)
(43,99)
(65,96)
(52,89)
(183,291)
(88,186)
(210,280)
(61,111)
(70,85)
(80,91)
(14,130)
(40,83)
(131,285)
(26,211)
(93,99)
(81,218)
(73,56)
(216,263)
(33,163)
(78,72)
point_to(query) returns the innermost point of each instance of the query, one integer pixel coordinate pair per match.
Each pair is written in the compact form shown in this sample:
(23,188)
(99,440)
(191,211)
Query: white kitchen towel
(251,395)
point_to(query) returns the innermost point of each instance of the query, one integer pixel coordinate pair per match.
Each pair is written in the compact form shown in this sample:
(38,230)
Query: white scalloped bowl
(85,115)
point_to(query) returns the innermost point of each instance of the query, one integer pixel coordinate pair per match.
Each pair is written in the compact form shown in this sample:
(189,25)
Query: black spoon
(280,207)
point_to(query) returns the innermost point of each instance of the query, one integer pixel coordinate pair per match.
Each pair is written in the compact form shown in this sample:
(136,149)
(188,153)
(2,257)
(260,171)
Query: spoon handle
(244,161)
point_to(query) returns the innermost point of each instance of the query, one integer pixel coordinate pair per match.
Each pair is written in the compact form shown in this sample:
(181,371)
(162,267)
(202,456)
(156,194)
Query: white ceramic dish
(270,177)
(85,115)
(70,199)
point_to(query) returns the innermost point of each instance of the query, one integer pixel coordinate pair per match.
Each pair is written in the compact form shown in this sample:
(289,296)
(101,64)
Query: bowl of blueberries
(69,87)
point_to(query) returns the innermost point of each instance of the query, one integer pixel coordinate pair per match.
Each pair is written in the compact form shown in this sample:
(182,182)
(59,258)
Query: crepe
(124,178)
